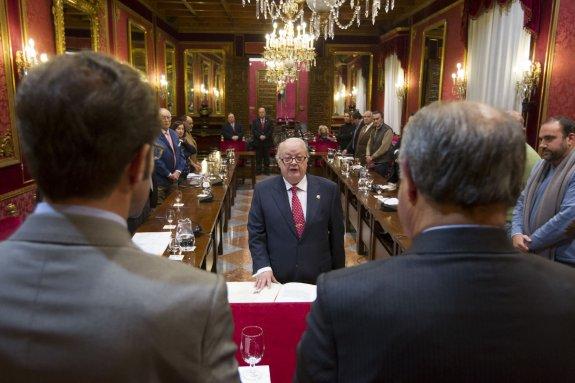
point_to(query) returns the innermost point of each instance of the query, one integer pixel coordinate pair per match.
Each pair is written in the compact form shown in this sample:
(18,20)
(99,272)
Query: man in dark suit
(79,302)
(295,223)
(262,136)
(346,130)
(360,123)
(232,130)
(171,164)
(461,305)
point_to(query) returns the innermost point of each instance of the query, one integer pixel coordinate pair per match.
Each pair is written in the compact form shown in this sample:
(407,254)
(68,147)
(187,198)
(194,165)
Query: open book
(245,292)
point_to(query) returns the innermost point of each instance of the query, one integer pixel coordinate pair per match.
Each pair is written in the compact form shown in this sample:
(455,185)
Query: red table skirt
(283,325)
(8,226)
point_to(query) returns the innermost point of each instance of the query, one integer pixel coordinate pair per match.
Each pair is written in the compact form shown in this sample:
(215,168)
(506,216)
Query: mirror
(352,82)
(205,81)
(138,47)
(431,72)
(76,25)
(170,62)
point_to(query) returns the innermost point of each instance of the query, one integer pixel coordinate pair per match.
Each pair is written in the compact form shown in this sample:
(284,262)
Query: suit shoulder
(323,182)
(267,183)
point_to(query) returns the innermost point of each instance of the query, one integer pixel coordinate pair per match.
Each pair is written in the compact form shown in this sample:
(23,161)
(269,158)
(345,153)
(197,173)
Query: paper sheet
(152,242)
(168,227)
(297,292)
(263,373)
(244,292)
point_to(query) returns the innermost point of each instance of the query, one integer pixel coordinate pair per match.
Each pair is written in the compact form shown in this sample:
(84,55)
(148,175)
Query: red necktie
(297,212)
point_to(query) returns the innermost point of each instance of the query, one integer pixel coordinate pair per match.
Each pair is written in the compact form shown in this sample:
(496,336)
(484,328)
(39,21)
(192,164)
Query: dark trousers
(262,156)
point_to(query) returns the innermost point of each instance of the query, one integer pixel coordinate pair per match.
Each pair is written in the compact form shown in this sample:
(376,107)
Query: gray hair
(464,153)
(290,140)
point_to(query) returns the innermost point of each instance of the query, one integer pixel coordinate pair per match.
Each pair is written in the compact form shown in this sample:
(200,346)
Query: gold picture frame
(90,7)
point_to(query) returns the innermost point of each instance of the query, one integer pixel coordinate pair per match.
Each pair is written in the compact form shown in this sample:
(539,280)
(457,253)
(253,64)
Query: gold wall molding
(435,14)
(17,192)
(90,7)
(549,61)
(9,145)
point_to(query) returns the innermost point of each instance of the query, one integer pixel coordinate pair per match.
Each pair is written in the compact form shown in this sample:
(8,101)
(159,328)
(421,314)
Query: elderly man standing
(461,305)
(544,217)
(378,156)
(363,136)
(79,302)
(295,223)
(262,133)
(171,163)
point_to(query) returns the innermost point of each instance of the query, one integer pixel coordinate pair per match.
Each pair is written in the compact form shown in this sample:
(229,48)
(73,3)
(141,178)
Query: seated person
(324,135)
(232,130)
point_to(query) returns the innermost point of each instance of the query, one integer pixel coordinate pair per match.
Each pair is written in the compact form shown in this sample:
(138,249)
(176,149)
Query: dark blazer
(79,302)
(353,142)
(272,236)
(267,130)
(460,306)
(165,165)
(345,135)
(228,132)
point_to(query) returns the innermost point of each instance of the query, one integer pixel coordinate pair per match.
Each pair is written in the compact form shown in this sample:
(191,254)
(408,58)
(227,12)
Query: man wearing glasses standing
(295,223)
(170,165)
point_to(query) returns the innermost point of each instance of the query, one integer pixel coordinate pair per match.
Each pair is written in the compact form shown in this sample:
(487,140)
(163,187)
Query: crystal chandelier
(288,50)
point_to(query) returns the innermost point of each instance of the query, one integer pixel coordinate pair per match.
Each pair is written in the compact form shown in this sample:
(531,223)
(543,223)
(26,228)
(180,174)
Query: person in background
(232,130)
(191,144)
(186,149)
(544,217)
(379,153)
(80,302)
(262,131)
(358,123)
(170,165)
(460,305)
(345,133)
(324,135)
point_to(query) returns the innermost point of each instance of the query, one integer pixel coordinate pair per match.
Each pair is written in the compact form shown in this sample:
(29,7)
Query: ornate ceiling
(229,16)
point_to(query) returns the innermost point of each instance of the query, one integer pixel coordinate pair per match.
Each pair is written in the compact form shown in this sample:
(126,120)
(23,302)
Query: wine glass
(185,235)
(252,348)
(174,246)
(345,168)
(178,196)
(170,216)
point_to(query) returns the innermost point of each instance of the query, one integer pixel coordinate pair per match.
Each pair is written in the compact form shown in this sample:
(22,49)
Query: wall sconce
(529,73)
(459,82)
(28,58)
(401,89)
(163,87)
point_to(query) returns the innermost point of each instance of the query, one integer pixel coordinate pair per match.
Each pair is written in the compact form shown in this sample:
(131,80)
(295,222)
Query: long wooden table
(211,216)
(379,233)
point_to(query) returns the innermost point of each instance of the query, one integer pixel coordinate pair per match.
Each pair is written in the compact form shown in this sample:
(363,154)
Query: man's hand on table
(265,279)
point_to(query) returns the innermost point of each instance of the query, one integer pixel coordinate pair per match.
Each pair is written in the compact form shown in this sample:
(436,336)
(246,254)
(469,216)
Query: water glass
(174,247)
(185,235)
(170,216)
(345,168)
(252,348)
(178,196)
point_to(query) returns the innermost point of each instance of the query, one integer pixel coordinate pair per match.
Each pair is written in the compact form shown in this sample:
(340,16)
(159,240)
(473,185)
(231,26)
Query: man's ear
(140,165)
(407,179)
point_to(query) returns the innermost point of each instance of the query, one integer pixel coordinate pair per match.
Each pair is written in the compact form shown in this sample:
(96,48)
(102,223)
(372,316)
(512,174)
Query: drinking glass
(252,348)
(178,196)
(330,154)
(170,216)
(174,246)
(185,234)
(345,168)
(369,181)
(362,184)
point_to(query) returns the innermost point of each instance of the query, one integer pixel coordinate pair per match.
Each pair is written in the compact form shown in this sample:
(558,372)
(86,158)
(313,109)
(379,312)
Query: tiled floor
(236,262)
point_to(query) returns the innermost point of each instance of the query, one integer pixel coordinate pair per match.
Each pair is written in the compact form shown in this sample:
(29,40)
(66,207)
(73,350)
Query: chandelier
(288,50)
(326,14)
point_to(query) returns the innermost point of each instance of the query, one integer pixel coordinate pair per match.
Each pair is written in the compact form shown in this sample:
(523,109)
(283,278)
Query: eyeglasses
(166,117)
(289,160)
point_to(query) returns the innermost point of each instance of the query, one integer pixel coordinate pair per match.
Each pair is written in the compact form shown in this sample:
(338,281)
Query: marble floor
(235,263)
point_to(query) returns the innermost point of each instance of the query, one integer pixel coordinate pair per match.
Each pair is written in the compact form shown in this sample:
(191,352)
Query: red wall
(454,53)
(561,96)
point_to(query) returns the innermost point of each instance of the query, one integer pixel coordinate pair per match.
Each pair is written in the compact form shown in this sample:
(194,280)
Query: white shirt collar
(60,210)
(302,185)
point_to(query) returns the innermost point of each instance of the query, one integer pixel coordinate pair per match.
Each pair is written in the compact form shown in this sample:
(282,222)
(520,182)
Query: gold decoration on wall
(90,7)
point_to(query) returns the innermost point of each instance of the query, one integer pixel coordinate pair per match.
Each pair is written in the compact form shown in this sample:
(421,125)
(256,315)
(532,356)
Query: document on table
(262,374)
(152,242)
(245,292)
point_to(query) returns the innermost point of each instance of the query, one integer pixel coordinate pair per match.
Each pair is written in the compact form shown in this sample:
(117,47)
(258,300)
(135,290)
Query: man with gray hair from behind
(461,305)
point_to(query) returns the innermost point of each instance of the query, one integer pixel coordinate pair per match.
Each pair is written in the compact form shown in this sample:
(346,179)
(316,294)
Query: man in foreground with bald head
(295,223)
(461,305)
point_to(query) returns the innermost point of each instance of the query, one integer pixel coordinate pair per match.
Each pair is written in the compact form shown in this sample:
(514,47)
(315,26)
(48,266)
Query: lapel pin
(318,196)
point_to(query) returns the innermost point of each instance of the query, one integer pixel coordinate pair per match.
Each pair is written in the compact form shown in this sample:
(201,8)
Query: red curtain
(472,9)
(398,45)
